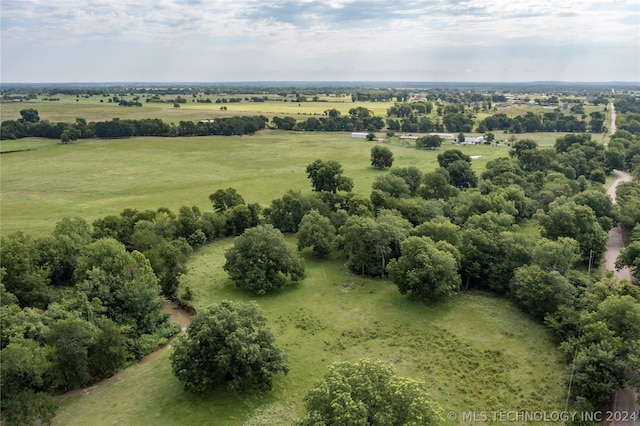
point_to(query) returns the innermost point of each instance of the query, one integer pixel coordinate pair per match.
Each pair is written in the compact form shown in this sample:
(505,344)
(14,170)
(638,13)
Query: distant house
(359,135)
(207,121)
(469,140)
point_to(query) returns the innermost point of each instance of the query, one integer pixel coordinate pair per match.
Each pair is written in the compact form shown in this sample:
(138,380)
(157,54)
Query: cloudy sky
(329,40)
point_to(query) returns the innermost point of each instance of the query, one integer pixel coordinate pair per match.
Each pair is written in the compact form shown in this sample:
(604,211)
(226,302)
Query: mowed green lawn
(475,352)
(95,178)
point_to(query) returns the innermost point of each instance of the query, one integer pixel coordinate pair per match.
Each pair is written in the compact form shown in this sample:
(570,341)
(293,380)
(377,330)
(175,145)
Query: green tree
(569,219)
(558,255)
(108,350)
(29,115)
(316,231)
(429,142)
(23,368)
(70,339)
(381,157)
(228,344)
(393,185)
(439,229)
(242,217)
(70,135)
(425,270)
(28,408)
(630,256)
(224,199)
(451,155)
(437,185)
(540,292)
(327,176)
(22,272)
(286,213)
(107,254)
(369,393)
(261,262)
(461,175)
(371,242)
(412,176)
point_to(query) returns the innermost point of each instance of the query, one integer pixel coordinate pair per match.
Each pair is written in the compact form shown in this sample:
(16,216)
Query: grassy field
(68,108)
(475,352)
(95,178)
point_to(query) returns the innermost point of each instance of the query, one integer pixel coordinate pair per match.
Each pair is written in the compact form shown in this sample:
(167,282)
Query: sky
(331,40)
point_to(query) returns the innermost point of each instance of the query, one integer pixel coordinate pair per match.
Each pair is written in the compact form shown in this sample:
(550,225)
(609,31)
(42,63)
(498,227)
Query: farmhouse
(469,140)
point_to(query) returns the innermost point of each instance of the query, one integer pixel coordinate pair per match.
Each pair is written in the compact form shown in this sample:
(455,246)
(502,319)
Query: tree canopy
(261,262)
(369,393)
(327,176)
(427,269)
(381,157)
(228,345)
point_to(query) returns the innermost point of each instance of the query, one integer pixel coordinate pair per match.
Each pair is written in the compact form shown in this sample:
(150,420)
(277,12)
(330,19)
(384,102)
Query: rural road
(625,410)
(616,241)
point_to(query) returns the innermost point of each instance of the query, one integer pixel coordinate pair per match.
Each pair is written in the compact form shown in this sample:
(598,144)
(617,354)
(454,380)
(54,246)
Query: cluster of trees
(403,116)
(553,121)
(31,126)
(628,119)
(628,200)
(437,232)
(359,119)
(75,308)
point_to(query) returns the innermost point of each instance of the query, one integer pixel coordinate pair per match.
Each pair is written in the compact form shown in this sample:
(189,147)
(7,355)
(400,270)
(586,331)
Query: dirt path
(613,118)
(177,314)
(624,405)
(616,240)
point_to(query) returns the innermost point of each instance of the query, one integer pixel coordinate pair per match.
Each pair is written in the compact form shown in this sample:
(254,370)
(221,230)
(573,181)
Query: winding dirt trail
(616,240)
(177,314)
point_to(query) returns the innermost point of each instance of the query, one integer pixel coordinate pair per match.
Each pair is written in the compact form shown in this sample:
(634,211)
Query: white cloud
(272,35)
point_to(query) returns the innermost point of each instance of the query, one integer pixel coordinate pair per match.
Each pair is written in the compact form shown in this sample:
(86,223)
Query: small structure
(207,121)
(356,135)
(443,136)
(408,137)
(469,140)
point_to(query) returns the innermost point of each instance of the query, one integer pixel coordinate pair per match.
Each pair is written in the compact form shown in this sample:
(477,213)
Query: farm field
(96,178)
(67,109)
(474,352)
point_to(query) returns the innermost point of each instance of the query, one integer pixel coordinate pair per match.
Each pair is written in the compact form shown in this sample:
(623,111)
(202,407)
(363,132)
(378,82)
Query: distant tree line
(554,121)
(31,126)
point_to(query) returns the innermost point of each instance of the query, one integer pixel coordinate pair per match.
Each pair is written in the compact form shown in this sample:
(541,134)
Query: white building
(359,135)
(470,140)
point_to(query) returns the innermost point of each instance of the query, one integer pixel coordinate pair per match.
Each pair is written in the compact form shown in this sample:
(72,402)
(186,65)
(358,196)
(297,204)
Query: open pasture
(96,178)
(68,108)
(474,352)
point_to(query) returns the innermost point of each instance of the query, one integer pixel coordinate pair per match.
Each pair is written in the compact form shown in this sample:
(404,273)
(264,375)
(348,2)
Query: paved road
(613,119)
(625,410)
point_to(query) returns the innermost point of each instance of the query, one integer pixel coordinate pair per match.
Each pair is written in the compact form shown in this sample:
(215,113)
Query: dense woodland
(83,302)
